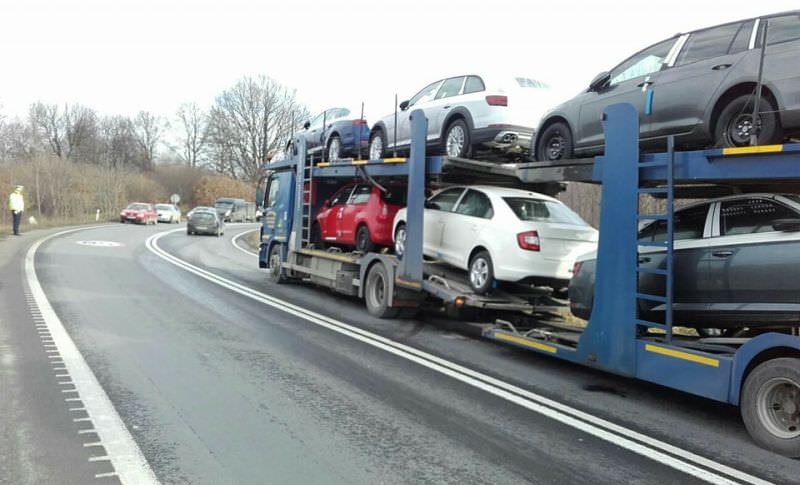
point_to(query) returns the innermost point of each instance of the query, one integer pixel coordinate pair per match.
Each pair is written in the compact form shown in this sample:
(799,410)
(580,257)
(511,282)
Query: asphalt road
(217,387)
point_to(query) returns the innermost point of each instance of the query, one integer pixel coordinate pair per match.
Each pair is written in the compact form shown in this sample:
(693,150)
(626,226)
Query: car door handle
(720,67)
(722,254)
(644,259)
(644,84)
(446,107)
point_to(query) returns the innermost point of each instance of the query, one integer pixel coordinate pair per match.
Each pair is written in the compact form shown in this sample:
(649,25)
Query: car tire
(733,125)
(456,141)
(363,240)
(555,143)
(400,237)
(376,293)
(334,149)
(766,390)
(276,272)
(377,145)
(481,272)
(316,237)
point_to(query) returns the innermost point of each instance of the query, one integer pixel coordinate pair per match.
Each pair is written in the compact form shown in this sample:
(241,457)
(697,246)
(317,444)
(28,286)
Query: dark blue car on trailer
(336,133)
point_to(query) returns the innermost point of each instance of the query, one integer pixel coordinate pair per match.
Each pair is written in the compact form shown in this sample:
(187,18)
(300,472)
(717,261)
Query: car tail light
(360,122)
(497,100)
(529,241)
(576,268)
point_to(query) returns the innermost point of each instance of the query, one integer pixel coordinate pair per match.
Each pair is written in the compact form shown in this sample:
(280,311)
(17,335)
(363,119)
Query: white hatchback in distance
(466,111)
(501,234)
(168,213)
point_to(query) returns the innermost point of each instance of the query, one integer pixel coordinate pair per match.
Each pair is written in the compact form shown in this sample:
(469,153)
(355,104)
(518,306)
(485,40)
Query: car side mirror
(599,81)
(786,225)
(306,125)
(326,203)
(404,105)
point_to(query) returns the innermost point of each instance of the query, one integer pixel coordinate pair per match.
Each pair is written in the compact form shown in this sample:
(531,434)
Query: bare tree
(48,124)
(147,130)
(80,132)
(120,146)
(248,121)
(194,123)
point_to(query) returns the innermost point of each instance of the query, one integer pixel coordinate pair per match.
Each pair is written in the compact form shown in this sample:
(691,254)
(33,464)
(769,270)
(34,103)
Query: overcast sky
(122,56)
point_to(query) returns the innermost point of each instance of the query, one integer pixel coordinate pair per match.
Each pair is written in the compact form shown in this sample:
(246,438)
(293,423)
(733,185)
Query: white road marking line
(235,243)
(70,399)
(106,475)
(90,445)
(99,458)
(649,447)
(123,452)
(77,409)
(81,420)
(87,431)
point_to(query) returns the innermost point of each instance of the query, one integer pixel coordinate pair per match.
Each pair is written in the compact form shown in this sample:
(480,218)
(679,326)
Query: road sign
(174,198)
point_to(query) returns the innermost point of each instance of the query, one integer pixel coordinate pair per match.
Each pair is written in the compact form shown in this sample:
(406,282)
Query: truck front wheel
(770,405)
(276,272)
(376,293)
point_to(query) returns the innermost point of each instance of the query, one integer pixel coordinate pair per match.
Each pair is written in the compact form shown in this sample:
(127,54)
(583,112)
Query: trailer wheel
(276,272)
(377,293)
(770,405)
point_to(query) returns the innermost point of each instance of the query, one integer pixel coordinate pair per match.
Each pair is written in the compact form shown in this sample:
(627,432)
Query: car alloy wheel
(376,147)
(478,272)
(400,240)
(455,141)
(334,149)
(555,148)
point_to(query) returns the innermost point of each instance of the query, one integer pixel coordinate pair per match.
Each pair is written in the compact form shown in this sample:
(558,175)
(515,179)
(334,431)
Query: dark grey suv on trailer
(737,261)
(699,86)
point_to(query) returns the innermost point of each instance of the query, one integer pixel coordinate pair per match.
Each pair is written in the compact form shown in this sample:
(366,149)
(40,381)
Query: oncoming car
(139,213)
(501,234)
(168,213)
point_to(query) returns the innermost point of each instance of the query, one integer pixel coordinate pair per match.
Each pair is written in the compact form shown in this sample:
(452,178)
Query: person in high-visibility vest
(16,204)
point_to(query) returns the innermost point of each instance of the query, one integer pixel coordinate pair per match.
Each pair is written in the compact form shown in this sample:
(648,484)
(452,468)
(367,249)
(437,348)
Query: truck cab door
(277,220)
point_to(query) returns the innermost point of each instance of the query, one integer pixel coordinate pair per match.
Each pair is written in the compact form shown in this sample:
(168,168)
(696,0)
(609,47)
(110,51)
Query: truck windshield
(527,209)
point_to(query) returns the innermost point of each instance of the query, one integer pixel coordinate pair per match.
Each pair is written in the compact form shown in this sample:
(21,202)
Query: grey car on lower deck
(736,263)
(699,86)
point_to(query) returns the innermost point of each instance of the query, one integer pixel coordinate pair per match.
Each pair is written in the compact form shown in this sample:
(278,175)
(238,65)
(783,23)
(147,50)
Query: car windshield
(527,209)
(163,207)
(223,205)
(138,207)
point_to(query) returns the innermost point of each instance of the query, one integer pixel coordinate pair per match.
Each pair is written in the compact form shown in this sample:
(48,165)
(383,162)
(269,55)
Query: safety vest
(16,202)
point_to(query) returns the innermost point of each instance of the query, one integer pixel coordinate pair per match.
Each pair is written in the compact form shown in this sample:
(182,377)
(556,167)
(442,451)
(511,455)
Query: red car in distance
(359,215)
(139,213)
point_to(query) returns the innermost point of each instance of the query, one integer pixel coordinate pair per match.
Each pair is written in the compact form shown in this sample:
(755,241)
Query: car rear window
(528,209)
(138,207)
(163,207)
(202,217)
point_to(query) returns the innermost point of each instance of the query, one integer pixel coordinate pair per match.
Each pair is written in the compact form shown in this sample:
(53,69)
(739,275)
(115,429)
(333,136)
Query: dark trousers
(17,216)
